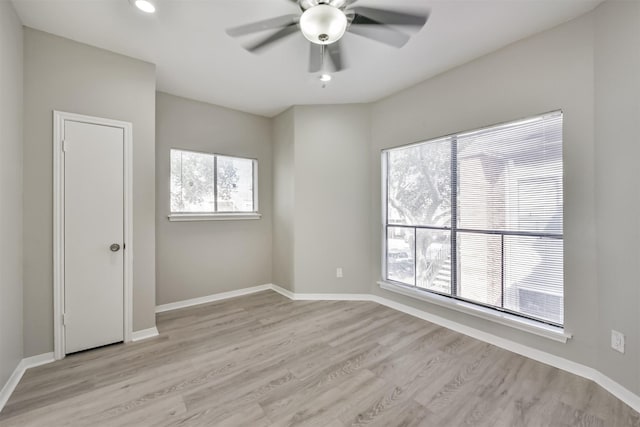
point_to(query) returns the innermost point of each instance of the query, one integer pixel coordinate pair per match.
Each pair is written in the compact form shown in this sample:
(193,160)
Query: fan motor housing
(307,4)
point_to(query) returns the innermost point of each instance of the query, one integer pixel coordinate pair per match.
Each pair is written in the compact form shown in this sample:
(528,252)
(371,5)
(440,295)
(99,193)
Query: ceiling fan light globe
(323,24)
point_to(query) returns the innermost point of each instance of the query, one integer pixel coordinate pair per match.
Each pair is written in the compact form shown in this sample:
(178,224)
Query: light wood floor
(263,360)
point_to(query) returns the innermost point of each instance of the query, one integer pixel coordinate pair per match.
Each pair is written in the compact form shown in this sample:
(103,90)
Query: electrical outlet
(617,341)
(339,272)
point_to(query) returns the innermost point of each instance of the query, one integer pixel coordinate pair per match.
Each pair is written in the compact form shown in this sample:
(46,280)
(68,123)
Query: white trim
(59,118)
(40,359)
(58,233)
(384,158)
(284,292)
(210,298)
(214,216)
(537,328)
(16,376)
(11,384)
(320,297)
(177,216)
(605,382)
(619,391)
(256,193)
(144,334)
(128,230)
(567,365)
(332,297)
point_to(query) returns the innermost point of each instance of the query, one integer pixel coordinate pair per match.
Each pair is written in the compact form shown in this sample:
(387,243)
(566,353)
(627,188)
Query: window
(211,184)
(477,216)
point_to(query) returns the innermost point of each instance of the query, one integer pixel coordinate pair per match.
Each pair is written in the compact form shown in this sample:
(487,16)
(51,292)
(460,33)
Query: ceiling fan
(324,22)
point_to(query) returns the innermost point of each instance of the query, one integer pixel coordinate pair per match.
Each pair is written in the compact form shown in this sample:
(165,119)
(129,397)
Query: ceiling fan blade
(335,53)
(341,4)
(280,34)
(267,24)
(391,17)
(378,31)
(315,57)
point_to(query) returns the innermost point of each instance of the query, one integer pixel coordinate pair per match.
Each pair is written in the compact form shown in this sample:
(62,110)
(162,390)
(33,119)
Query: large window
(477,216)
(204,183)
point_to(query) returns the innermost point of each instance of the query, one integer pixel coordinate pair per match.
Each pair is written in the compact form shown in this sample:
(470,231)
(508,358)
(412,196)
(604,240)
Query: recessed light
(147,6)
(325,78)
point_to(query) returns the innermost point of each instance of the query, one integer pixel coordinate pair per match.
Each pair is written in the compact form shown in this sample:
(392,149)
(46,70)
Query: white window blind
(478,216)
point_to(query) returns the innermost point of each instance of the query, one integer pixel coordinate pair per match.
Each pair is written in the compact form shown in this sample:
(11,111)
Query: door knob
(114,247)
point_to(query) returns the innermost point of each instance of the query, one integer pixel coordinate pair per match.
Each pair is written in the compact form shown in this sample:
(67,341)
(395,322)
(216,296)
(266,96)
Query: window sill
(215,216)
(538,328)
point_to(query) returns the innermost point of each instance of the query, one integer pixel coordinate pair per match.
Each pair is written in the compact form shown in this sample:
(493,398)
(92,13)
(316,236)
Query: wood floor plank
(264,360)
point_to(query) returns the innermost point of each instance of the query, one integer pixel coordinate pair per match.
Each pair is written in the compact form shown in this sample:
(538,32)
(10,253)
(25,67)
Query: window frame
(217,215)
(499,314)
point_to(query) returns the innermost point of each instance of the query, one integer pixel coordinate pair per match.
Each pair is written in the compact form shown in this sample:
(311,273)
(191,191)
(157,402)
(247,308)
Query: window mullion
(454,215)
(215,183)
(415,257)
(181,181)
(502,271)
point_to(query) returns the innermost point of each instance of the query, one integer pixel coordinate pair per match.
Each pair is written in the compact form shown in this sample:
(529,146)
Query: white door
(93,235)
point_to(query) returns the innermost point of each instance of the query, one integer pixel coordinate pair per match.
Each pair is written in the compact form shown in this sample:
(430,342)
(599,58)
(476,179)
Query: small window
(209,184)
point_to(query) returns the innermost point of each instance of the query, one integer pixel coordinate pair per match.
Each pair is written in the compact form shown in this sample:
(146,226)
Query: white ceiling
(195,58)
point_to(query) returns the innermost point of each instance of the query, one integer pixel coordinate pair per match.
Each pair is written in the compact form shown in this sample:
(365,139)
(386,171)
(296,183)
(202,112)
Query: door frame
(59,118)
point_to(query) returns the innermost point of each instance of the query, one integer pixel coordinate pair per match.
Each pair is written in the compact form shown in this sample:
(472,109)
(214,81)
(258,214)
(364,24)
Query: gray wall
(283,199)
(589,68)
(617,130)
(549,71)
(332,198)
(10,191)
(326,178)
(196,259)
(322,199)
(61,74)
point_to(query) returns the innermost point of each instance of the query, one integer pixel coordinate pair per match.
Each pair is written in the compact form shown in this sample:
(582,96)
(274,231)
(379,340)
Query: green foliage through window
(211,183)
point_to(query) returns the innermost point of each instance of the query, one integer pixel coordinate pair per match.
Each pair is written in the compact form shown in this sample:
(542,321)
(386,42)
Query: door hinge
(65,319)
(64,145)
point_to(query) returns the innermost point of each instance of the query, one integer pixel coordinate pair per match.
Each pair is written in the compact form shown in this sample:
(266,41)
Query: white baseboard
(11,384)
(14,379)
(619,391)
(599,378)
(581,370)
(40,359)
(210,298)
(282,291)
(144,334)
(567,365)
(605,382)
(319,297)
